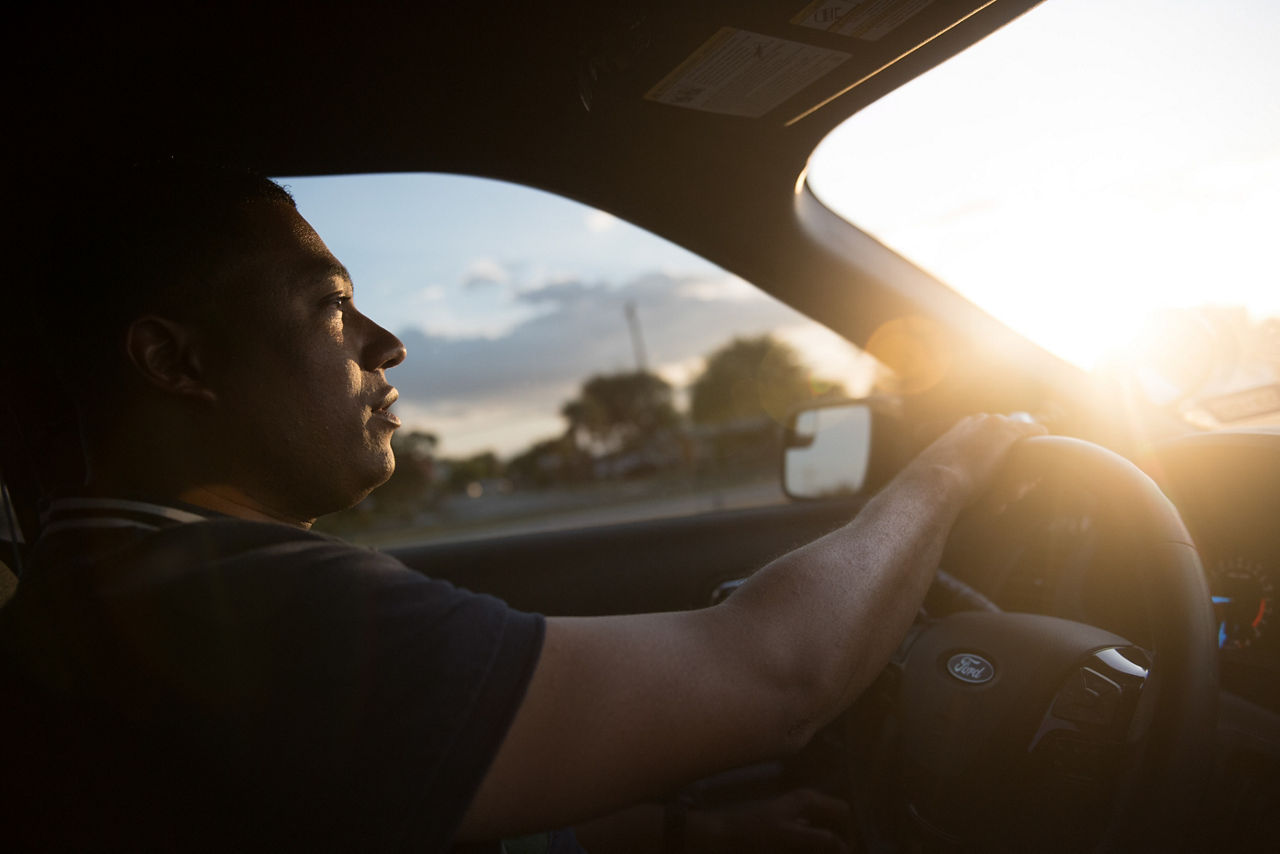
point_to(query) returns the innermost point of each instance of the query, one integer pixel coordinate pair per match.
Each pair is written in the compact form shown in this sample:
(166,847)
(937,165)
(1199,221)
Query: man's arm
(623,708)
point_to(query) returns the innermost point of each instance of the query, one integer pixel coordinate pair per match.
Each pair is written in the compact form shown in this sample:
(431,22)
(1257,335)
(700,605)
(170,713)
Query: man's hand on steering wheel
(967,457)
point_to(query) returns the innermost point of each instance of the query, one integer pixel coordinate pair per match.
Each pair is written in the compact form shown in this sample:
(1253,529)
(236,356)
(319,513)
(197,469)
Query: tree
(575,416)
(546,462)
(750,378)
(622,411)
(464,472)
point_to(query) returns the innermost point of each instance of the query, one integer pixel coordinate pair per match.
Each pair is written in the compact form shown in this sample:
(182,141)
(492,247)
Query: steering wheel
(1017,731)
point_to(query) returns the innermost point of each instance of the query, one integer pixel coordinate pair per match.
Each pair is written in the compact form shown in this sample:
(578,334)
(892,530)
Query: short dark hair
(88,259)
(144,238)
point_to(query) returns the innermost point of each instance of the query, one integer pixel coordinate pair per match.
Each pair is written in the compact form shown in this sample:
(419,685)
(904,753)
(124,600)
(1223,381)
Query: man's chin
(378,475)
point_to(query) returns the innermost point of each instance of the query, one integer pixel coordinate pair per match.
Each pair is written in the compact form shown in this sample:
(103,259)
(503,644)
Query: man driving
(193,668)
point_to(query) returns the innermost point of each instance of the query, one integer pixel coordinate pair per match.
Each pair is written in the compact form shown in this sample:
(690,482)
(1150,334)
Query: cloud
(561,294)
(724,288)
(580,330)
(484,273)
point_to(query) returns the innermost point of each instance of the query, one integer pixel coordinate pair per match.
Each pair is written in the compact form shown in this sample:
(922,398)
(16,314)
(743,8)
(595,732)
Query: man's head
(211,343)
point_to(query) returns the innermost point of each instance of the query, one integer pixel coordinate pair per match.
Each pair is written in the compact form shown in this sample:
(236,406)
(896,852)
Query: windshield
(1102,176)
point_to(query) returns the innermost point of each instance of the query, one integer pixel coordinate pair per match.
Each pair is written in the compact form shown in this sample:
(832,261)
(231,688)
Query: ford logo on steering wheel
(971,668)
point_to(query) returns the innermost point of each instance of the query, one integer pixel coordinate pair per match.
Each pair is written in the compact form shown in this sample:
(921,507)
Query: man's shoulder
(226,537)
(158,558)
(95,530)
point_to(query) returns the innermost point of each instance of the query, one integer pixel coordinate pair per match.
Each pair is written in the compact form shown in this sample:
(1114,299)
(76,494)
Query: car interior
(1127,602)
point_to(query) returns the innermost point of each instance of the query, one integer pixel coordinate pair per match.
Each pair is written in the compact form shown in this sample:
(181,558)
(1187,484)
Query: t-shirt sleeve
(373,697)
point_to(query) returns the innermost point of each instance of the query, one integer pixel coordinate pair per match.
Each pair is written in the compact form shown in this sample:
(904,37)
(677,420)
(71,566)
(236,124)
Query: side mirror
(827,451)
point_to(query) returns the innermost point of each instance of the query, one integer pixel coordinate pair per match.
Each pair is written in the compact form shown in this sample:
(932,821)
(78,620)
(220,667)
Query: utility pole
(637,339)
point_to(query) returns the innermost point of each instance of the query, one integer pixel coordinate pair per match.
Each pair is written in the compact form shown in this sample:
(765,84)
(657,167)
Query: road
(531,512)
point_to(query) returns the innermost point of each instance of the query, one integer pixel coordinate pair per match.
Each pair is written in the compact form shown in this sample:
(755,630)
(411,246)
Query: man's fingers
(972,451)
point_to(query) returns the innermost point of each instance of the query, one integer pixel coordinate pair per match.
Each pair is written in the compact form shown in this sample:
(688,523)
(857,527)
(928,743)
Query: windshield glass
(1102,176)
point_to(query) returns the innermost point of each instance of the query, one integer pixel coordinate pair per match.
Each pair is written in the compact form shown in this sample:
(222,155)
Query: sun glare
(1107,182)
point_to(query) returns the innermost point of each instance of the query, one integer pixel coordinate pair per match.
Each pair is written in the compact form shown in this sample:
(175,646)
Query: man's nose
(382,350)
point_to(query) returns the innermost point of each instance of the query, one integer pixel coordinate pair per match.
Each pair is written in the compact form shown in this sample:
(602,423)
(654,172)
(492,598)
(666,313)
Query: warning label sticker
(740,73)
(870,20)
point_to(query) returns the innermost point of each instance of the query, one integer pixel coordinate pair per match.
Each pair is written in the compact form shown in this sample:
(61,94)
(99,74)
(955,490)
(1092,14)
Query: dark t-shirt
(179,680)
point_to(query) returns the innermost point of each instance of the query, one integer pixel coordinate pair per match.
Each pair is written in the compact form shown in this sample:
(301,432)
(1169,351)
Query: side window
(565,369)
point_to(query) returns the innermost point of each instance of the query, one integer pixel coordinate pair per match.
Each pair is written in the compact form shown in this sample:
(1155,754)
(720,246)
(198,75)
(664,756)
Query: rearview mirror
(827,451)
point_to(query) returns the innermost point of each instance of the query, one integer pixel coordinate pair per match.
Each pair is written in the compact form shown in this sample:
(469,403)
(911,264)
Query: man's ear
(166,355)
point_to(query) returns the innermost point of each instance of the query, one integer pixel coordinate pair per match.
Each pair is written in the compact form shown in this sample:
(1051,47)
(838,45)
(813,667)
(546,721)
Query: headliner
(547,94)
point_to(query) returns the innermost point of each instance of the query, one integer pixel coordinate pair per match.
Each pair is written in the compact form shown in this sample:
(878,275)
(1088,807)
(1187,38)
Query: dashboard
(1227,487)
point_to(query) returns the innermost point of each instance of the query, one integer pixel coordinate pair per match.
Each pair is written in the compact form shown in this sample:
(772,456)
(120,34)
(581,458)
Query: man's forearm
(829,614)
(824,619)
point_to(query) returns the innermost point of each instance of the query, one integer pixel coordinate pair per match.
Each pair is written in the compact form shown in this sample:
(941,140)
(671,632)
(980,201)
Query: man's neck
(220,498)
(231,501)
(165,473)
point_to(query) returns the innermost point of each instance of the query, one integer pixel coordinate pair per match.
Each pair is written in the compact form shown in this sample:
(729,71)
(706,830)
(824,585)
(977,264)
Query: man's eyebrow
(326,270)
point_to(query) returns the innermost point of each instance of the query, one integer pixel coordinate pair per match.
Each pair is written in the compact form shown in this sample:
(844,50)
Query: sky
(1069,178)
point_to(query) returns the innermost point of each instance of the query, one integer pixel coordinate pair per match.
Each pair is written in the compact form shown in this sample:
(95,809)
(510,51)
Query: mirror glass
(827,451)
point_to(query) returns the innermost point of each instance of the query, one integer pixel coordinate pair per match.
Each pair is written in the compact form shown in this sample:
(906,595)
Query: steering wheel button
(1088,697)
(1099,685)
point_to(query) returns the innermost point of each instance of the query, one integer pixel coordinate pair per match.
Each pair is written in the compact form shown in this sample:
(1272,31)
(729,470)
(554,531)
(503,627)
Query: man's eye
(339,300)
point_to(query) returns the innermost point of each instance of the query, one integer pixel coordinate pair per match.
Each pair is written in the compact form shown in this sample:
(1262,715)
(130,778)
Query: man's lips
(383,409)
